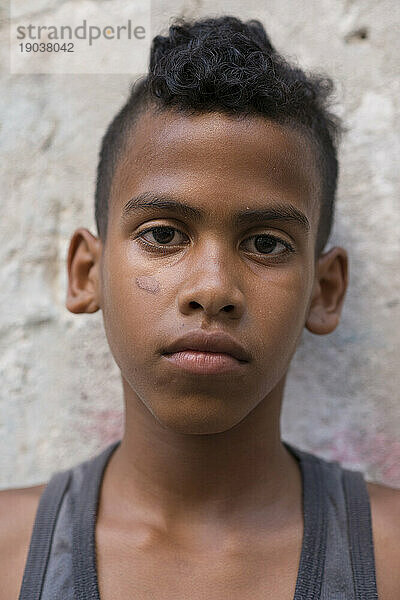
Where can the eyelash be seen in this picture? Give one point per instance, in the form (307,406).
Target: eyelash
(164,249)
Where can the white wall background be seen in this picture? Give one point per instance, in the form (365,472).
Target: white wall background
(60,391)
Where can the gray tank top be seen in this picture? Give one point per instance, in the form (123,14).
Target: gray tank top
(337,556)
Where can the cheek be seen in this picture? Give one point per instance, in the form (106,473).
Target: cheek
(150,284)
(131,299)
(130,289)
(282,300)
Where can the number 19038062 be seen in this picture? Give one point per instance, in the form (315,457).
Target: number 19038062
(46,47)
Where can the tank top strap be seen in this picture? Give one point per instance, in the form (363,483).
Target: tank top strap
(360,535)
(42,534)
(337,558)
(84,545)
(313,551)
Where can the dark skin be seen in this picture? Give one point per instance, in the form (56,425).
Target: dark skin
(201,485)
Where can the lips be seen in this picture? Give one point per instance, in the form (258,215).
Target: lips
(216,341)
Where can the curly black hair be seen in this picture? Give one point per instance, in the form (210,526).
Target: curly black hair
(226,65)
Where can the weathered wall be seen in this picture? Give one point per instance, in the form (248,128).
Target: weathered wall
(60,394)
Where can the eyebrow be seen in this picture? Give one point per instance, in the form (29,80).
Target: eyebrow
(277,212)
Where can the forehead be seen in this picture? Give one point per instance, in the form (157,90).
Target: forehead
(217,162)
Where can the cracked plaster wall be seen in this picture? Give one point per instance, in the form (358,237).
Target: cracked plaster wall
(60,395)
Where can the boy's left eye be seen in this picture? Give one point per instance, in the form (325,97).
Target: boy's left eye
(267,244)
(264,243)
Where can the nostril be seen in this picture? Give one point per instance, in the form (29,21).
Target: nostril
(228,308)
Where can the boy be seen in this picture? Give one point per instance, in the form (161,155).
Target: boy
(214,203)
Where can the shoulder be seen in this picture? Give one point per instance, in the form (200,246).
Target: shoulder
(385,515)
(17,516)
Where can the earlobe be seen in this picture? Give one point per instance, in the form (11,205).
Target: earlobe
(330,286)
(83,263)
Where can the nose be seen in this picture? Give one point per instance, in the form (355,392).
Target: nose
(211,285)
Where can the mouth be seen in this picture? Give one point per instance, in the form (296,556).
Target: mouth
(207,353)
(204,362)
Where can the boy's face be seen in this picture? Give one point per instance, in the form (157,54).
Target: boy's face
(255,280)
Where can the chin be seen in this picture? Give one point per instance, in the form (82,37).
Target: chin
(200,417)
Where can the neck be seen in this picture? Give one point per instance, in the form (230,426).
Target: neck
(182,476)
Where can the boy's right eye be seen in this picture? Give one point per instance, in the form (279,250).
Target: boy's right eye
(162,235)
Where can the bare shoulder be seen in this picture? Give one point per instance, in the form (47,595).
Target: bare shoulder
(385,513)
(18,508)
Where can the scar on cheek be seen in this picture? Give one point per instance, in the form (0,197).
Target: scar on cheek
(149,284)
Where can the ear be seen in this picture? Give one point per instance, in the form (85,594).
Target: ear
(331,279)
(83,263)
